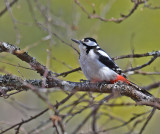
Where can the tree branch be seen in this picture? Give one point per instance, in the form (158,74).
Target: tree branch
(52,82)
(21,54)
(147,121)
(125,90)
(142,66)
(116,20)
(5,9)
(25,121)
(154,53)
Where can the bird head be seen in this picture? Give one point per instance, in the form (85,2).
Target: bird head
(86,44)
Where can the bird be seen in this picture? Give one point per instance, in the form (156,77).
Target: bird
(98,66)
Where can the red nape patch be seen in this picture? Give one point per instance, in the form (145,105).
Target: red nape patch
(120,78)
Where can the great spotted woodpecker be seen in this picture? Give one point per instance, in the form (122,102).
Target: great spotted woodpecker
(98,66)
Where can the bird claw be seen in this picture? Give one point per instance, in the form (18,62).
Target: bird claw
(120,83)
(86,81)
(102,84)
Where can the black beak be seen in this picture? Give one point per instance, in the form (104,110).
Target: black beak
(76,41)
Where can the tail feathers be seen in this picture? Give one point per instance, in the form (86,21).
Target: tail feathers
(123,79)
(140,89)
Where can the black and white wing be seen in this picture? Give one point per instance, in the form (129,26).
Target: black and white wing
(106,60)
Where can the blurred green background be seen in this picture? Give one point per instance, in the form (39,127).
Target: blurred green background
(140,32)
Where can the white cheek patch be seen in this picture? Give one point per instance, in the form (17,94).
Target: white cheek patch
(91,43)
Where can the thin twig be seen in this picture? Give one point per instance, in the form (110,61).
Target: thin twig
(116,20)
(64,74)
(141,66)
(147,121)
(25,121)
(107,98)
(10,5)
(154,53)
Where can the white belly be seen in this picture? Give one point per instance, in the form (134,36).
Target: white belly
(95,70)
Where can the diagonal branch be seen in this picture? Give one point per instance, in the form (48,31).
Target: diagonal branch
(147,121)
(141,66)
(5,9)
(64,74)
(25,121)
(24,56)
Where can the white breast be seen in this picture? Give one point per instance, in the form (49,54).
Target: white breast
(93,69)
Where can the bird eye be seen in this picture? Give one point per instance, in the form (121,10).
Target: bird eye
(86,40)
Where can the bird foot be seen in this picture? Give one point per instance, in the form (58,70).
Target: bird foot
(102,84)
(86,81)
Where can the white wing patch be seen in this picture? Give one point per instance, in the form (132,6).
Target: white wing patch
(104,54)
(107,60)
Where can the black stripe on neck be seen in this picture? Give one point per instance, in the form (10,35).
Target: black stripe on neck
(89,48)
